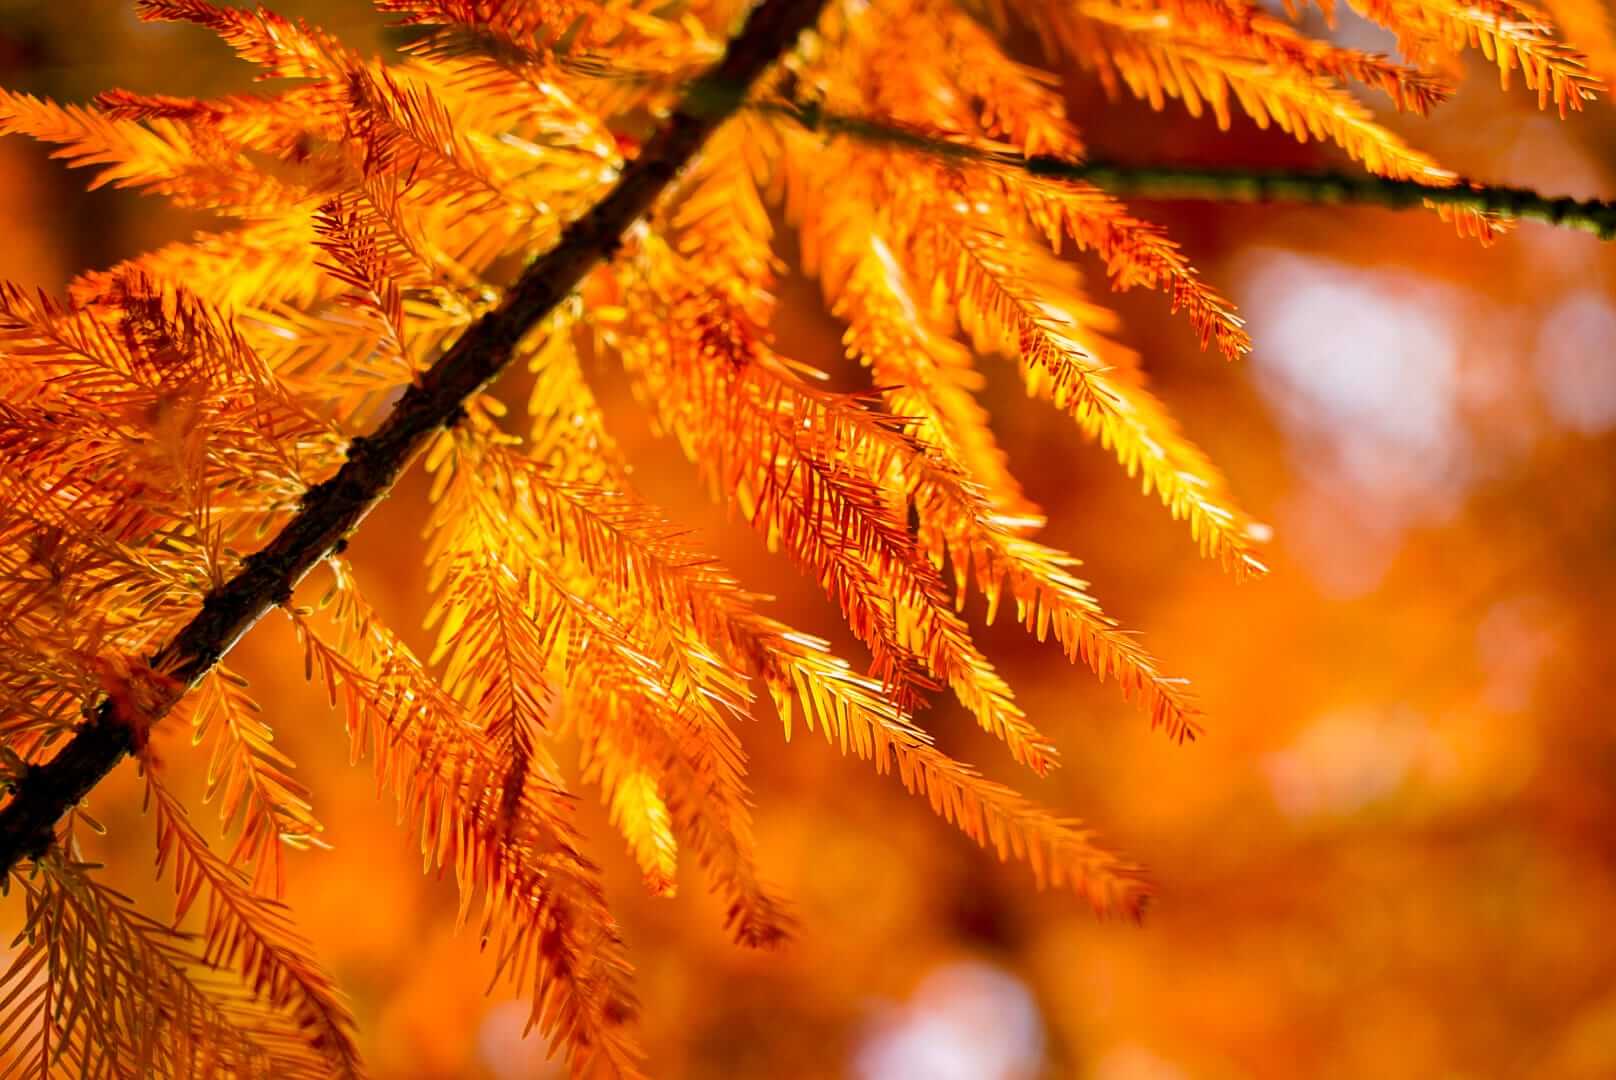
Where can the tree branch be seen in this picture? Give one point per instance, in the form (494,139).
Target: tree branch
(1594,216)
(333,509)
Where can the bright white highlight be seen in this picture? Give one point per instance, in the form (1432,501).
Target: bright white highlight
(1363,370)
(965,1022)
(1575,360)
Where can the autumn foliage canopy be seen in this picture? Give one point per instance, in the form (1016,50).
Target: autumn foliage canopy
(592,190)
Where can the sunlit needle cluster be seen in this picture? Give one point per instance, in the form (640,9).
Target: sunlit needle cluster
(172,411)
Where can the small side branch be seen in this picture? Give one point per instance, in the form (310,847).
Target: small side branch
(1596,216)
(333,509)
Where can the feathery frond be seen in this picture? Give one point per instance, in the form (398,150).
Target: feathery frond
(569,183)
(542,908)
(253,935)
(252,780)
(101,990)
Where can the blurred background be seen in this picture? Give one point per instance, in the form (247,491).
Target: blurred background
(1394,853)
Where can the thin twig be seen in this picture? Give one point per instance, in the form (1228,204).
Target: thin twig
(333,509)
(1596,216)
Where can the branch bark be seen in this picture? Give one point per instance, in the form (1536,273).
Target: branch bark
(332,509)
(1596,216)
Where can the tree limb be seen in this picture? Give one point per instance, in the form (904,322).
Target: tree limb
(334,508)
(1594,216)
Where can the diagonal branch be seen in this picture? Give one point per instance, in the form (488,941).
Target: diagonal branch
(333,509)
(1596,216)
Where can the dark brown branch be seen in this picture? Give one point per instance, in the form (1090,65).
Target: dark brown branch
(333,509)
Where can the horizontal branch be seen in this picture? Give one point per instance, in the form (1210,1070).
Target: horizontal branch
(333,509)
(1594,216)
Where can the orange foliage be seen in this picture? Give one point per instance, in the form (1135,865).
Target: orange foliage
(175,410)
